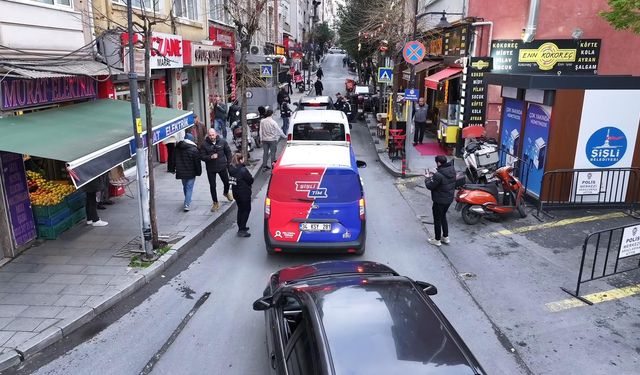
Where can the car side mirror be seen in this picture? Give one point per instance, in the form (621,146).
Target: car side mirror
(361,164)
(429,289)
(263,303)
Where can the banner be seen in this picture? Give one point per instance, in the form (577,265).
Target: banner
(18,93)
(536,138)
(511,130)
(475,91)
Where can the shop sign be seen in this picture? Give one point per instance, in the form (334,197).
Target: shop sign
(630,244)
(17,197)
(475,91)
(435,47)
(23,93)
(606,146)
(560,56)
(163,132)
(204,55)
(455,41)
(280,50)
(222,38)
(588,183)
(166,51)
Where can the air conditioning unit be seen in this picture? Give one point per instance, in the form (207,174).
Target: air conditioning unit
(254,50)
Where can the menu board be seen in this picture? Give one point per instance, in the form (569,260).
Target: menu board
(17,197)
(475,91)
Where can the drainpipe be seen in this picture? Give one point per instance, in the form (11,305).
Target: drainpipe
(532,21)
(92,29)
(483,23)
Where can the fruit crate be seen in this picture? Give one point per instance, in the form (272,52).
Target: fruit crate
(48,211)
(78,216)
(53,219)
(52,232)
(75,200)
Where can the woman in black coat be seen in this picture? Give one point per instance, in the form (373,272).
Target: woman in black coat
(241,181)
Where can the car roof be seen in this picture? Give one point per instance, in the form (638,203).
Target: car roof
(383,324)
(334,267)
(315,99)
(329,155)
(320,115)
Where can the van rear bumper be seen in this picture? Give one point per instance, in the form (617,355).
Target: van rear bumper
(357,244)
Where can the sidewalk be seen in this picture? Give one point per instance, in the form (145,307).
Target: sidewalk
(57,286)
(417,163)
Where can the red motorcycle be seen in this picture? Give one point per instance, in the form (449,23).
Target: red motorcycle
(500,197)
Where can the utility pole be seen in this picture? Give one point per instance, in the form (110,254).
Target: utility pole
(141,165)
(412,83)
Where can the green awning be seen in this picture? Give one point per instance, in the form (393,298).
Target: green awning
(90,137)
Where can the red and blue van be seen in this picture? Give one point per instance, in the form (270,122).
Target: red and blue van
(315,201)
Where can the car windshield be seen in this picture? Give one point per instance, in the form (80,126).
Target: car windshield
(382,326)
(325,131)
(337,185)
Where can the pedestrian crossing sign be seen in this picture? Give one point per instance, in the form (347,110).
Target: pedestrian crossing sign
(385,75)
(266,71)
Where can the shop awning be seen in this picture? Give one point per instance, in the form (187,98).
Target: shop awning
(91,137)
(425,65)
(445,74)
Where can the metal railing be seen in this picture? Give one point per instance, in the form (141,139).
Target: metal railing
(608,252)
(591,188)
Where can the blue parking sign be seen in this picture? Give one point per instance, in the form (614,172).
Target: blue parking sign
(385,75)
(411,94)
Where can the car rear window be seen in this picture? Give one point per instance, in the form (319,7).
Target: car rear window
(337,185)
(316,105)
(326,131)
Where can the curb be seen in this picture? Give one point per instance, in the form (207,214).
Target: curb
(388,166)
(111,296)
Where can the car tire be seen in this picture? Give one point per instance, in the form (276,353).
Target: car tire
(470,217)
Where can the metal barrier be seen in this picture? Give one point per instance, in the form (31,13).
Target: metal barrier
(591,188)
(616,250)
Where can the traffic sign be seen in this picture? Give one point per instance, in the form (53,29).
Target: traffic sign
(266,71)
(385,75)
(411,94)
(413,52)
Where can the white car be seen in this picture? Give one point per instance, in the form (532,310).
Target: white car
(319,127)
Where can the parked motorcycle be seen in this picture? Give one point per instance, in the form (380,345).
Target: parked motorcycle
(299,82)
(499,197)
(236,130)
(481,158)
(253,121)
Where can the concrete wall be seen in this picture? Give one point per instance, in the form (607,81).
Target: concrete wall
(42,28)
(557,20)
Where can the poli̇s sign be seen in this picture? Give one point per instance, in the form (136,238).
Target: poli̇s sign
(606,146)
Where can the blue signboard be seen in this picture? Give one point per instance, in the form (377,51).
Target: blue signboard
(411,94)
(266,71)
(606,146)
(536,138)
(511,129)
(385,75)
(164,131)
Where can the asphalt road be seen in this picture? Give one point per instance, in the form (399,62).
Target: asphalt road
(197,318)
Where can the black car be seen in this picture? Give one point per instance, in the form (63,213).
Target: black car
(351,317)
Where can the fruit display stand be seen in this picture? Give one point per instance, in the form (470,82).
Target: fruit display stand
(56,205)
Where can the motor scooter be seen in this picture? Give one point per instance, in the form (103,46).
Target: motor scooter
(481,158)
(299,83)
(499,197)
(236,130)
(253,121)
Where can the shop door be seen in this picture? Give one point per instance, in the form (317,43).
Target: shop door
(536,139)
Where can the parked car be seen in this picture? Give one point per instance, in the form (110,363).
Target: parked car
(315,201)
(356,317)
(314,103)
(319,127)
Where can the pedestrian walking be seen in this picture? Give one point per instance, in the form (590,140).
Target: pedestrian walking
(270,134)
(216,155)
(319,73)
(241,182)
(280,97)
(188,166)
(442,185)
(319,87)
(289,78)
(198,131)
(285,113)
(420,115)
(234,113)
(170,142)
(219,116)
(91,204)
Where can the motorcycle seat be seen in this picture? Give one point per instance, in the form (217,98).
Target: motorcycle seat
(489,188)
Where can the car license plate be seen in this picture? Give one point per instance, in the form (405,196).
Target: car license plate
(315,227)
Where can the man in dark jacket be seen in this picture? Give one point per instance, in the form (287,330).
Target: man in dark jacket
(234,112)
(220,116)
(241,182)
(188,166)
(442,185)
(285,113)
(318,86)
(319,73)
(216,154)
(280,97)
(91,189)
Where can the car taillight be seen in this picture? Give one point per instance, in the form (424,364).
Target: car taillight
(267,208)
(289,137)
(349,138)
(361,204)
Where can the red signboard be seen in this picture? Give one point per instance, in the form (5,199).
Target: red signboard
(222,38)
